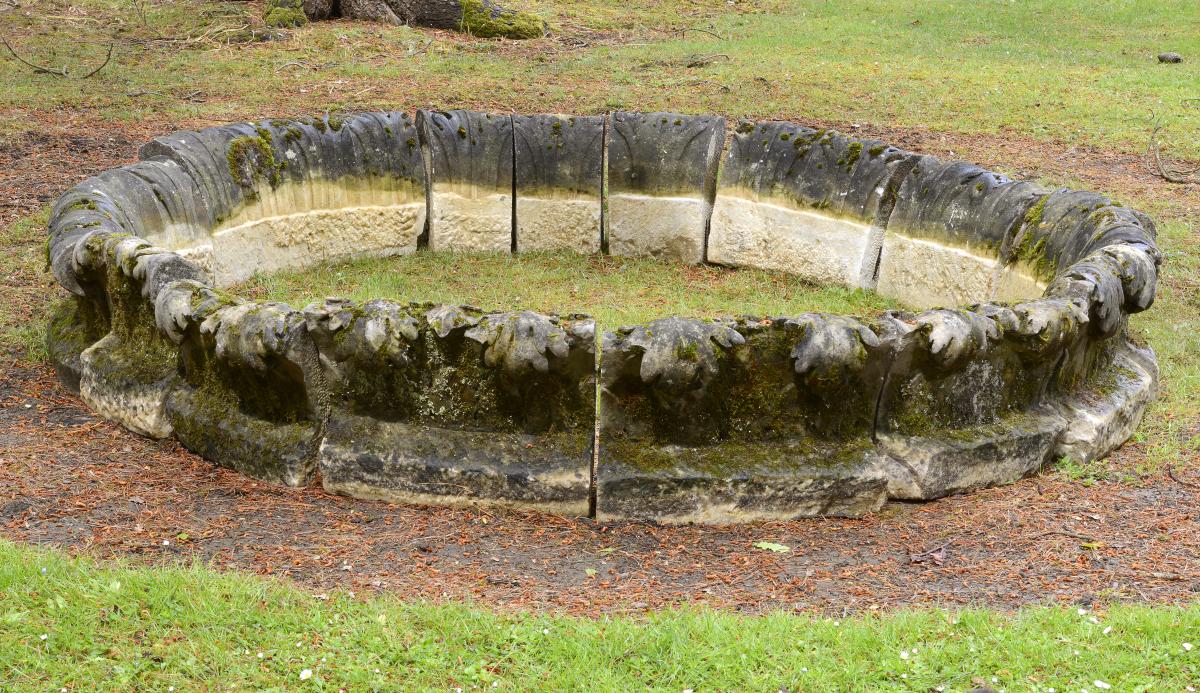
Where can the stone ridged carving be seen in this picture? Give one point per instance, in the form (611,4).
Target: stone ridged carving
(1015,351)
(559,166)
(661,168)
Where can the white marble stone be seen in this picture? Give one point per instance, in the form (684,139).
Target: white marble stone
(469,220)
(760,234)
(551,223)
(298,240)
(666,228)
(928,274)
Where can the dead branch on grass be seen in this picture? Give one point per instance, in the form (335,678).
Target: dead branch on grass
(703,31)
(1181,482)
(61,72)
(1154,155)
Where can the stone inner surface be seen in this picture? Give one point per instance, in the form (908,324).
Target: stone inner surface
(1013,348)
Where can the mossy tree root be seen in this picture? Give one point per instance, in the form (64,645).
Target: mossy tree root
(477,17)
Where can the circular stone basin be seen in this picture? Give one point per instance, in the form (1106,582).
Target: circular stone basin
(1012,349)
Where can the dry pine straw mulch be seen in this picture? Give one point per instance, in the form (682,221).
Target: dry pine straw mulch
(72,480)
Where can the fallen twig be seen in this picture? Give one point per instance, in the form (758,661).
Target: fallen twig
(36,68)
(703,31)
(703,60)
(937,554)
(1181,482)
(1065,533)
(107,60)
(61,72)
(1154,153)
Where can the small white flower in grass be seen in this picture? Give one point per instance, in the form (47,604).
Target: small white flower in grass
(166,542)
(995,680)
(1191,689)
(1076,653)
(377,671)
(1083,612)
(804,669)
(903,676)
(306,674)
(1101,685)
(43,636)
(1094,620)
(1187,647)
(1107,630)
(903,654)
(260,655)
(545,631)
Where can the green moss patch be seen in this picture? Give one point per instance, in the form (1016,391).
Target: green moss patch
(282,14)
(480,19)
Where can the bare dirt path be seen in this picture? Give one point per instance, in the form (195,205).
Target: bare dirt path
(69,479)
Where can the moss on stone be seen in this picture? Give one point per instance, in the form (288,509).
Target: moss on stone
(281,14)
(1033,217)
(734,459)
(251,158)
(487,22)
(853,152)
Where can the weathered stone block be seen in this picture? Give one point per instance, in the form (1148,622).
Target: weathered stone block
(298,240)
(770,481)
(470,169)
(210,424)
(949,237)
(768,235)
(251,397)
(805,201)
(928,274)
(956,369)
(735,420)
(661,172)
(955,460)
(559,166)
(345,188)
(1103,414)
(400,461)
(449,404)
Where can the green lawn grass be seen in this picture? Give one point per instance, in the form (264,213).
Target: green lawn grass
(68,623)
(614,290)
(1080,70)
